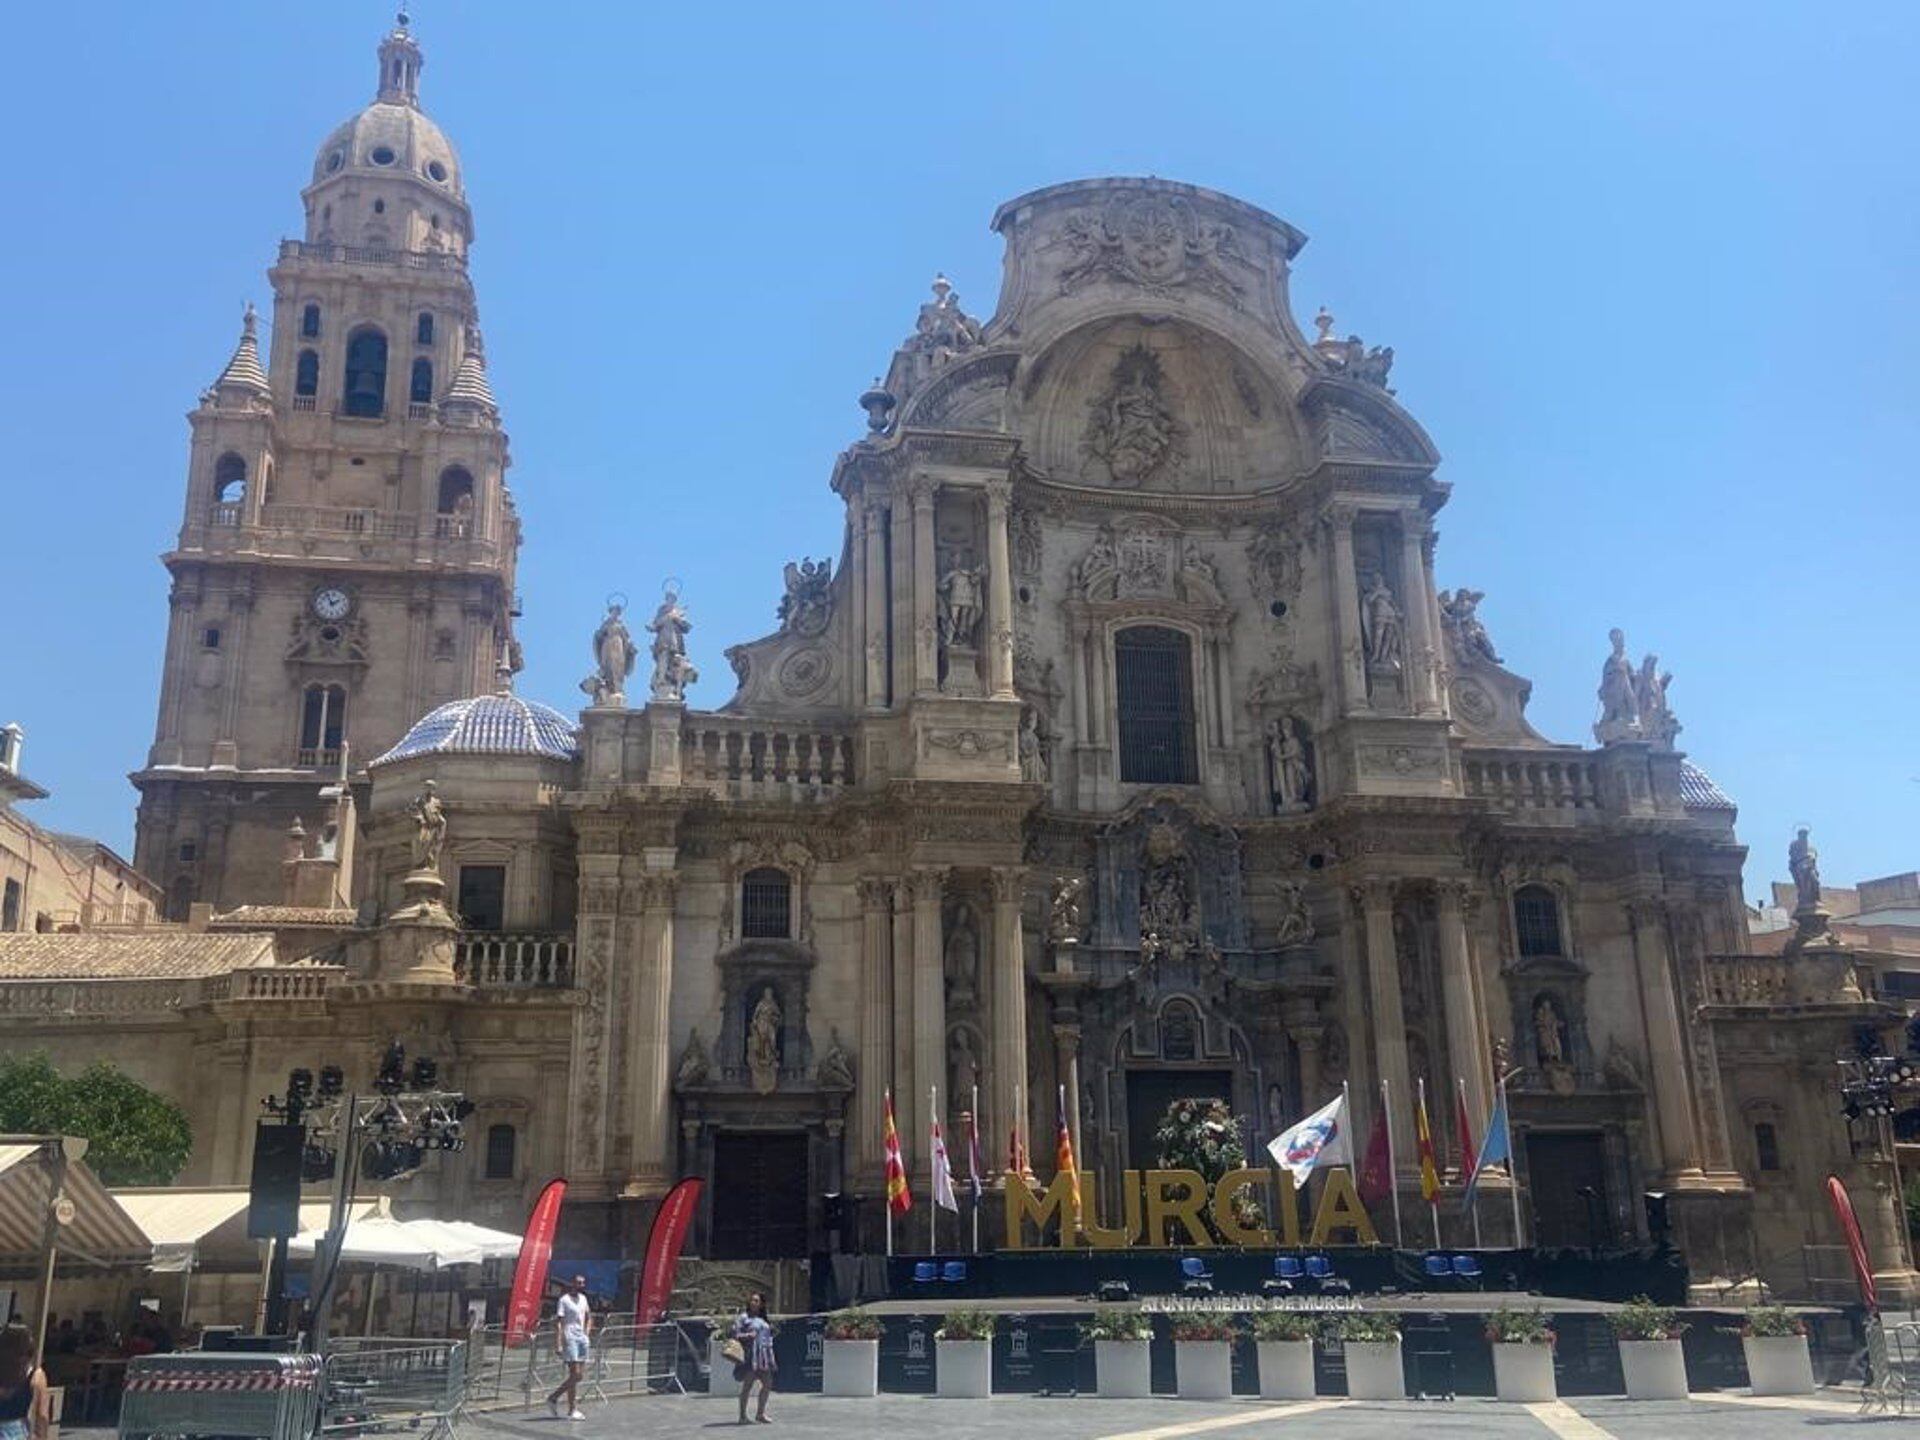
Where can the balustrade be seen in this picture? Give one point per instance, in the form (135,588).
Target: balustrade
(492,961)
(748,759)
(1532,780)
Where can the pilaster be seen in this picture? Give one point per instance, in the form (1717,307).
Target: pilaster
(649,1038)
(927,887)
(1375,896)
(1672,1088)
(999,590)
(1009,1057)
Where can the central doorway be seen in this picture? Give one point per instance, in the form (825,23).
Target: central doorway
(760,1189)
(1567,1173)
(1150,1092)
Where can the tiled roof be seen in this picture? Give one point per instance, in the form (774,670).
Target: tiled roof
(129,955)
(469,384)
(1698,791)
(489,725)
(244,369)
(254,917)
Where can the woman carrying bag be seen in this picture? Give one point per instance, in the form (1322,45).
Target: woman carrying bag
(751,1350)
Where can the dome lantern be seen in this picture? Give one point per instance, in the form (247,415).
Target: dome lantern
(400,62)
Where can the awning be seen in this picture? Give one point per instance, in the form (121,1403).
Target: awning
(176,1221)
(492,1244)
(100,1233)
(404,1244)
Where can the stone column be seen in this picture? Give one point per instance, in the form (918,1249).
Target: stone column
(926,582)
(905,1072)
(1666,1051)
(588,1087)
(902,605)
(874,587)
(929,1005)
(1346,607)
(999,592)
(649,1039)
(1066,1072)
(1466,1026)
(1389,1018)
(1361,1075)
(1009,1058)
(876,1023)
(1423,654)
(1301,1017)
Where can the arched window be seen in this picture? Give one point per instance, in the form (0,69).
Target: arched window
(310,322)
(423,328)
(456,491)
(229,479)
(1766,1145)
(1536,922)
(323,724)
(420,392)
(365,391)
(502,1141)
(306,373)
(766,904)
(1153,682)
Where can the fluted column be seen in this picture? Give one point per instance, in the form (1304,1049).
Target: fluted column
(1346,607)
(589,1086)
(1361,1076)
(1389,1017)
(926,581)
(874,587)
(1666,1050)
(999,590)
(905,1071)
(649,1040)
(1466,1026)
(876,1022)
(1010,1076)
(901,604)
(929,1002)
(1422,645)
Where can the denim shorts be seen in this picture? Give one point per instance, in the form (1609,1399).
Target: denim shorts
(13,1430)
(573,1350)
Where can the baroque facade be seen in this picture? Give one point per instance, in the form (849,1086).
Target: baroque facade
(1128,750)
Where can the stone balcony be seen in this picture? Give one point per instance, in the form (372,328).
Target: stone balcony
(501,961)
(1748,985)
(1532,780)
(342,533)
(747,759)
(324,253)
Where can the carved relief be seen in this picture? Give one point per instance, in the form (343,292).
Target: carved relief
(1157,242)
(1142,557)
(1273,561)
(1131,431)
(1026,538)
(328,642)
(806,671)
(808,604)
(967,744)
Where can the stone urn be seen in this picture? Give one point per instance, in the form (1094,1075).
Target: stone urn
(1122,1369)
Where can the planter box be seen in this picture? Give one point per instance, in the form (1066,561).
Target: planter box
(1374,1371)
(1778,1364)
(963,1369)
(1655,1369)
(1286,1369)
(1524,1373)
(1203,1369)
(850,1367)
(1121,1369)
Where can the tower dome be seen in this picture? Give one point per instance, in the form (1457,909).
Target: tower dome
(497,724)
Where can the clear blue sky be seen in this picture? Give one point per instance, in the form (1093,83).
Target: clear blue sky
(1648,270)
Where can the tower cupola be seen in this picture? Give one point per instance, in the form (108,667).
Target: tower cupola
(400,61)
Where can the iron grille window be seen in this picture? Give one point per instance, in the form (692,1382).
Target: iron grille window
(1153,674)
(483,896)
(1766,1143)
(501,1142)
(766,905)
(1536,921)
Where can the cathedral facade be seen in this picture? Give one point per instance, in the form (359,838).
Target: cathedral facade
(1129,750)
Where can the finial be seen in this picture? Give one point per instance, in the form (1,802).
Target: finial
(403,19)
(1323,322)
(878,402)
(249,321)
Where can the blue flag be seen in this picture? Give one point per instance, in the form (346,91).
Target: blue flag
(1493,1145)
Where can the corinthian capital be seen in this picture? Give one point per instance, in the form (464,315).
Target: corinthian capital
(1009,884)
(999,494)
(657,891)
(928,884)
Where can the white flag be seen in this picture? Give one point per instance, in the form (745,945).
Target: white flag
(943,1195)
(1320,1139)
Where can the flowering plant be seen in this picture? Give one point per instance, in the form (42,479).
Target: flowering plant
(853,1325)
(1204,1327)
(1519,1327)
(966,1325)
(1377,1327)
(1285,1325)
(1772,1322)
(1117,1325)
(1641,1319)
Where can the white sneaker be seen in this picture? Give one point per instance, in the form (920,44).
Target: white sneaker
(576,1415)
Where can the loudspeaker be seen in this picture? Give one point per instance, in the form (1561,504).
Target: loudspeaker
(273,1207)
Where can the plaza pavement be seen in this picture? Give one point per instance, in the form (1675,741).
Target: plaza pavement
(1716,1416)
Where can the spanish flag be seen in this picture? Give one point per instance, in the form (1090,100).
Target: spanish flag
(1063,1160)
(1429,1174)
(899,1198)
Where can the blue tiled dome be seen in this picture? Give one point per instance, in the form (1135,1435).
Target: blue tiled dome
(489,725)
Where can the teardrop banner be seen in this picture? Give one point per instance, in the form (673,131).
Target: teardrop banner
(530,1271)
(1842,1204)
(669,1233)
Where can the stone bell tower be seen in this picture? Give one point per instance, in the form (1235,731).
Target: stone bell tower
(346,557)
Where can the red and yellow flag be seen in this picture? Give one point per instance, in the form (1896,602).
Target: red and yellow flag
(1429,1173)
(899,1198)
(1063,1161)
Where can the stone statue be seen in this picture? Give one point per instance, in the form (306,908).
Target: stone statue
(1619,696)
(1371,366)
(1381,623)
(1291,775)
(1130,429)
(694,1064)
(943,330)
(808,604)
(1460,613)
(963,1069)
(1296,921)
(1657,721)
(1803,863)
(1549,1032)
(835,1071)
(614,655)
(763,1043)
(430,833)
(1063,911)
(672,671)
(1033,752)
(962,956)
(962,590)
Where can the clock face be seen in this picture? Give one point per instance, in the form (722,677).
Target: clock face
(332,603)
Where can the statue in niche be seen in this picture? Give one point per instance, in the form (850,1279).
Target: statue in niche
(763,1043)
(1549,1032)
(694,1065)
(1289,768)
(1131,430)
(1381,623)
(1276,1110)
(962,957)
(672,670)
(1460,614)
(962,590)
(1657,720)
(1803,864)
(1619,696)
(1296,921)
(1064,922)
(1033,750)
(430,828)
(614,655)
(835,1071)
(963,1069)
(808,604)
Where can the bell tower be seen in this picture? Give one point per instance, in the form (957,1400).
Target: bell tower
(346,556)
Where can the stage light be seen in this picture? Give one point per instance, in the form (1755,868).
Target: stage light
(426,1073)
(333,1083)
(392,1078)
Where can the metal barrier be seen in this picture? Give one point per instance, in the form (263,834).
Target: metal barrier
(624,1359)
(258,1397)
(372,1385)
(1893,1368)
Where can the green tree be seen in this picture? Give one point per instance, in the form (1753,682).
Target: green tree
(134,1136)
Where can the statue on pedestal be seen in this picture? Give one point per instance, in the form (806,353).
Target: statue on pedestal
(1063,914)
(613,659)
(962,590)
(1803,863)
(1619,696)
(672,670)
(430,828)
(763,1043)
(1460,614)
(1382,623)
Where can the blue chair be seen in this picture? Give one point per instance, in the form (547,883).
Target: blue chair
(1195,1277)
(954,1272)
(1439,1267)
(924,1272)
(1319,1267)
(1466,1267)
(1288,1267)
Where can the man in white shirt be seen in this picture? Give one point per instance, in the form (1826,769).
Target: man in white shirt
(571,1334)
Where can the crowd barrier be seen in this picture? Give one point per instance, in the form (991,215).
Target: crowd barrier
(625,1359)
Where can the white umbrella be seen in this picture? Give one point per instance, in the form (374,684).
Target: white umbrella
(492,1244)
(379,1240)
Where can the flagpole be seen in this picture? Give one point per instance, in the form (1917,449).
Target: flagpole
(1513,1168)
(886,1190)
(933,1183)
(973,1164)
(1473,1200)
(1433,1205)
(1353,1166)
(1393,1172)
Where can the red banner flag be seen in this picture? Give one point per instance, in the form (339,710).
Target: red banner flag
(530,1271)
(1856,1243)
(1463,1127)
(899,1197)
(669,1233)
(1376,1167)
